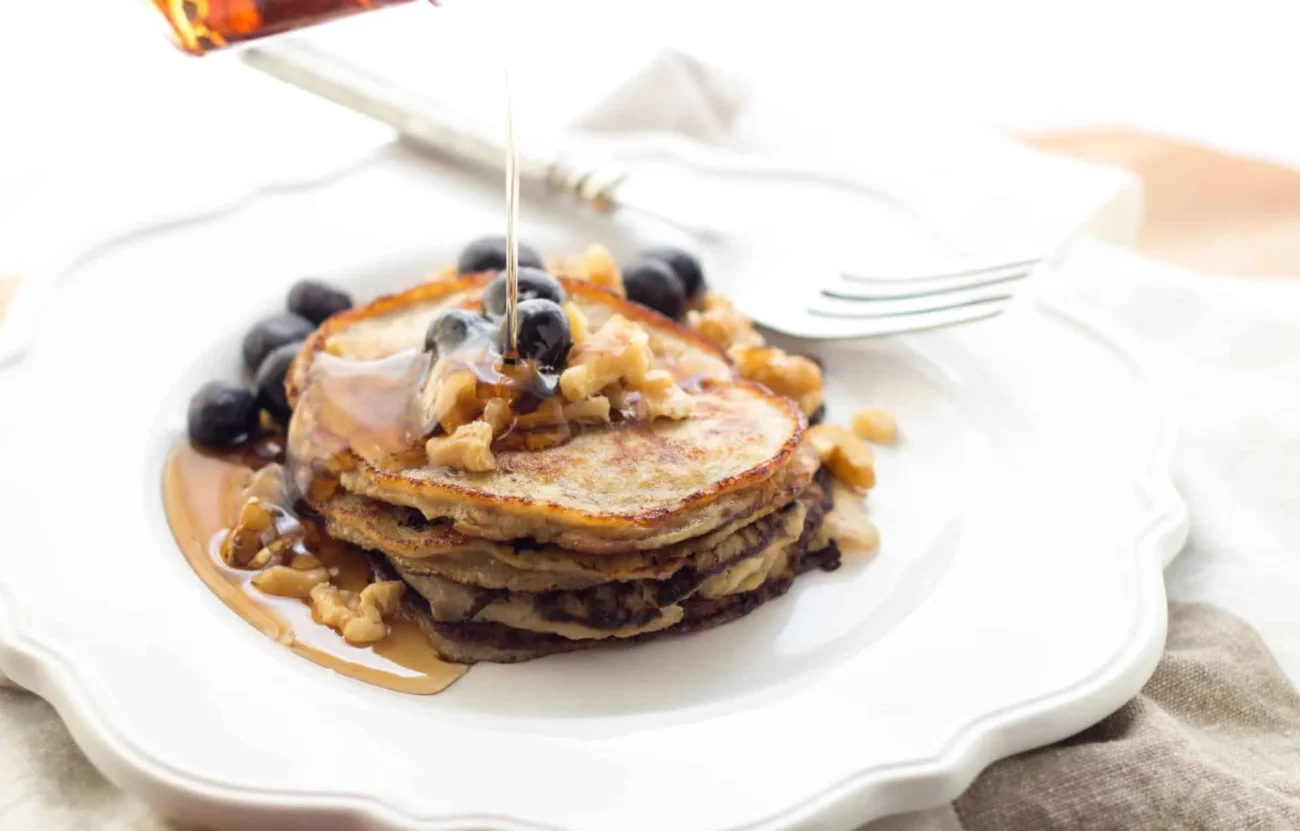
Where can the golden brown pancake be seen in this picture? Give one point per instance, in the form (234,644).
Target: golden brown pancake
(434,547)
(629,486)
(472,639)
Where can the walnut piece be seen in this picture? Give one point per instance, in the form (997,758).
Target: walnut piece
(243,545)
(849,457)
(617,359)
(847,524)
(358,617)
(450,399)
(594,410)
(663,398)
(793,376)
(617,352)
(262,529)
(579,326)
(497,414)
(595,265)
(875,424)
(287,581)
(469,448)
(719,321)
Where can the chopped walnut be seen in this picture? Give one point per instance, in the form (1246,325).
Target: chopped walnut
(243,544)
(261,530)
(286,581)
(719,321)
(663,398)
(616,395)
(332,606)
(874,424)
(595,265)
(469,448)
(847,524)
(594,410)
(617,352)
(849,457)
(384,596)
(579,326)
(616,359)
(454,399)
(497,414)
(793,376)
(358,617)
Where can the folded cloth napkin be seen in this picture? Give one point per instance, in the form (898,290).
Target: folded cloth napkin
(1212,742)
(673,93)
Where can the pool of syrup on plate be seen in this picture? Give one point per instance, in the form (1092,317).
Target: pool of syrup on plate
(200,494)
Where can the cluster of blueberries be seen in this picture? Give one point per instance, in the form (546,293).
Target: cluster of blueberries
(225,414)
(662,279)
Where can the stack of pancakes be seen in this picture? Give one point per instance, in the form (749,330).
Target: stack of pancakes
(624,532)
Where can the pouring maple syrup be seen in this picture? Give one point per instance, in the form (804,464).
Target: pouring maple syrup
(511,348)
(202,26)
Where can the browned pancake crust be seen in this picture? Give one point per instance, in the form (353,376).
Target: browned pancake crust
(615,605)
(436,548)
(635,448)
(473,642)
(732,493)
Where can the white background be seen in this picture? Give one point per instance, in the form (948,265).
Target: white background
(80,74)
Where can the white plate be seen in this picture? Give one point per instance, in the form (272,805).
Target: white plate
(1018,596)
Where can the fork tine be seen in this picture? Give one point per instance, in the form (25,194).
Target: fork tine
(850,288)
(814,326)
(832,305)
(1017,266)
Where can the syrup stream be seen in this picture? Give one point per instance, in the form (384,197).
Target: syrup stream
(512,237)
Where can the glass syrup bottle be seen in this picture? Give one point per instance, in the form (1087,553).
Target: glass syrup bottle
(201,26)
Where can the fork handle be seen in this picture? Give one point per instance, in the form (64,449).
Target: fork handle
(424,122)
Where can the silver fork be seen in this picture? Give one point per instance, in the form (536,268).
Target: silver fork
(848,306)
(862,306)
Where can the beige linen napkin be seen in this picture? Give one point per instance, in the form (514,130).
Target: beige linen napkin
(1213,742)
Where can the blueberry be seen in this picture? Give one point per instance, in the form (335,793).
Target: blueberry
(489,254)
(544,334)
(683,264)
(269,382)
(272,333)
(222,414)
(533,283)
(317,301)
(454,328)
(652,283)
